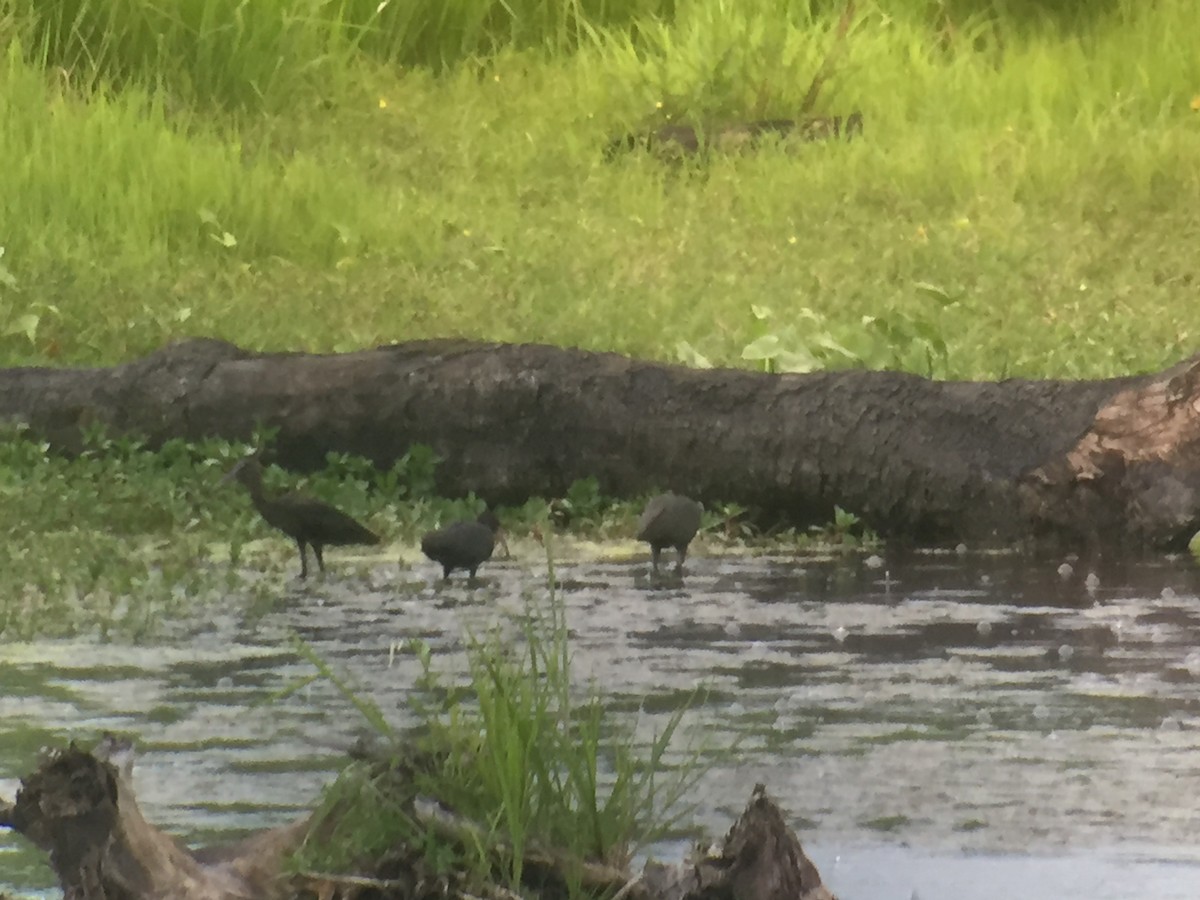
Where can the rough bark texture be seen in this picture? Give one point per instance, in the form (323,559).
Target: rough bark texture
(760,859)
(1111,460)
(81,810)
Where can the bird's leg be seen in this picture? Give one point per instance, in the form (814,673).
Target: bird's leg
(682,555)
(320,558)
(654,554)
(303,559)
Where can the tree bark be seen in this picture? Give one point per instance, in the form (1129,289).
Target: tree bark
(760,859)
(1113,460)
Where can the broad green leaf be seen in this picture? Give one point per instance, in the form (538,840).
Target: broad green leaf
(690,356)
(766,347)
(26,325)
(940,294)
(797,361)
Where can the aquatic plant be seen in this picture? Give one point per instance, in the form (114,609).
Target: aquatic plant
(535,761)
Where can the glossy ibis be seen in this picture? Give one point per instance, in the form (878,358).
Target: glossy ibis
(307,520)
(464,545)
(669,520)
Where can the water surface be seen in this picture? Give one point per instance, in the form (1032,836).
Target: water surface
(938,726)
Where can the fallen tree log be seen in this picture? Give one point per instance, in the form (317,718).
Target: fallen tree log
(80,808)
(1112,461)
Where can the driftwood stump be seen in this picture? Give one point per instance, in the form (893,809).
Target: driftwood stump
(80,808)
(1114,461)
(760,859)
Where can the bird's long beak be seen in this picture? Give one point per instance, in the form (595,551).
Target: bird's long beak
(232,474)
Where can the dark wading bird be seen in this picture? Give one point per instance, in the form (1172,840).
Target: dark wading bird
(669,520)
(464,545)
(306,520)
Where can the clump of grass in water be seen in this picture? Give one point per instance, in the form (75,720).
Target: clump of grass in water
(518,750)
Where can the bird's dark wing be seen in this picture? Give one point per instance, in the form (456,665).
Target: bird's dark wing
(652,513)
(462,542)
(690,520)
(436,543)
(317,522)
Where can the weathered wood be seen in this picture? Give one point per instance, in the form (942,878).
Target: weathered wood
(1134,472)
(760,859)
(80,808)
(1112,460)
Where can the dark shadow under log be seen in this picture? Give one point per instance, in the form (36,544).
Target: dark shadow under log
(1111,461)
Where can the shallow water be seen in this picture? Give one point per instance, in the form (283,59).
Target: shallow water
(939,726)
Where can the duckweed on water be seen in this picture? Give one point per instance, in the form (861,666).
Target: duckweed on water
(119,539)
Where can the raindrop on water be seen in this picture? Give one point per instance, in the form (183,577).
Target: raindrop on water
(1168,593)
(1091,582)
(1065,652)
(1065,571)
(961,549)
(1170,723)
(733,629)
(1041,713)
(984,628)
(873,562)
(839,634)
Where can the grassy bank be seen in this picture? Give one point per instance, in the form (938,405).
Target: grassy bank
(1039,174)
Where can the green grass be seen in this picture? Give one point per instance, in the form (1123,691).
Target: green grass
(1042,174)
(532,761)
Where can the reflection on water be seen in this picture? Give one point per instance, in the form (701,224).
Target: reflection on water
(940,724)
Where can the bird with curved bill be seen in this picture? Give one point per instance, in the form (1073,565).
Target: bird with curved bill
(306,520)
